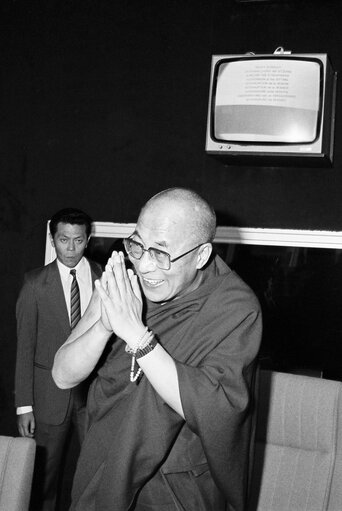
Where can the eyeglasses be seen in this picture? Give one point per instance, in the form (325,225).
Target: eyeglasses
(162,259)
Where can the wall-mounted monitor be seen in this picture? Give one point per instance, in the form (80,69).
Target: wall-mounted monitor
(272,110)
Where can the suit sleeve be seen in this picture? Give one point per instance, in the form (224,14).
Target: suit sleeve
(27,322)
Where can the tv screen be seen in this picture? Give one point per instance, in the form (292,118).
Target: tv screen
(278,106)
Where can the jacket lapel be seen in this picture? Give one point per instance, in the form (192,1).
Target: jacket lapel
(96,271)
(55,296)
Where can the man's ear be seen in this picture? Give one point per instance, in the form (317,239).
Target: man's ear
(51,240)
(203,255)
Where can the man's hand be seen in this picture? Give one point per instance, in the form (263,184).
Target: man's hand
(104,317)
(26,424)
(121,300)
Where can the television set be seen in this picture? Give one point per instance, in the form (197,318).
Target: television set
(272,109)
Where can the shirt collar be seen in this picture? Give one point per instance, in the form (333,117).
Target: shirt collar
(65,270)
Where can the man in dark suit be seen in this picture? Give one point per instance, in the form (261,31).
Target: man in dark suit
(50,303)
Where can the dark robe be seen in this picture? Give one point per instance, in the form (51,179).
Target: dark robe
(213,334)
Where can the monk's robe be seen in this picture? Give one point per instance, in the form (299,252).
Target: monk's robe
(213,334)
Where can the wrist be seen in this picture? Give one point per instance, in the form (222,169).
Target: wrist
(136,339)
(102,329)
(144,346)
(147,348)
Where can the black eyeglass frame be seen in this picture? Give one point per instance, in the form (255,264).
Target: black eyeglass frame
(125,241)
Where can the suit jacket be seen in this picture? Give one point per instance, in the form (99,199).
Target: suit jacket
(42,327)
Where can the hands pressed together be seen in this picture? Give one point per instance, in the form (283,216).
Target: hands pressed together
(121,301)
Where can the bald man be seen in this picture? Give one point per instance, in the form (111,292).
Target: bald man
(169,412)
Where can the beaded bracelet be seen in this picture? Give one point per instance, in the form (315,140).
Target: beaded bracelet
(133,377)
(144,341)
(146,344)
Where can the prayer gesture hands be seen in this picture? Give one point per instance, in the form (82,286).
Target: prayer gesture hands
(121,301)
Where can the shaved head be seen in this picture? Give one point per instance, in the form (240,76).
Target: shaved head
(190,210)
(179,225)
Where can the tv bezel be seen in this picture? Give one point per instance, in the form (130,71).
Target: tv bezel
(272,57)
(316,153)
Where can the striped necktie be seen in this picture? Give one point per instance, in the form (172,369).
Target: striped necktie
(75,301)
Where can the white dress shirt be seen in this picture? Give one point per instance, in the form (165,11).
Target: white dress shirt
(83,275)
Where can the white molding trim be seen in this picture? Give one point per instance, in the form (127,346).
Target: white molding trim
(279,237)
(236,235)
(112,230)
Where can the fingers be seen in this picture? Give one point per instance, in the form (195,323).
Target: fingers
(117,263)
(32,426)
(105,303)
(101,289)
(118,281)
(104,280)
(26,425)
(118,285)
(135,284)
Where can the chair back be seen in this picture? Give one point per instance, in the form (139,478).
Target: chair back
(16,470)
(298,444)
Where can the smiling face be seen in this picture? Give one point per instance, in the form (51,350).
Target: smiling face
(166,226)
(70,241)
